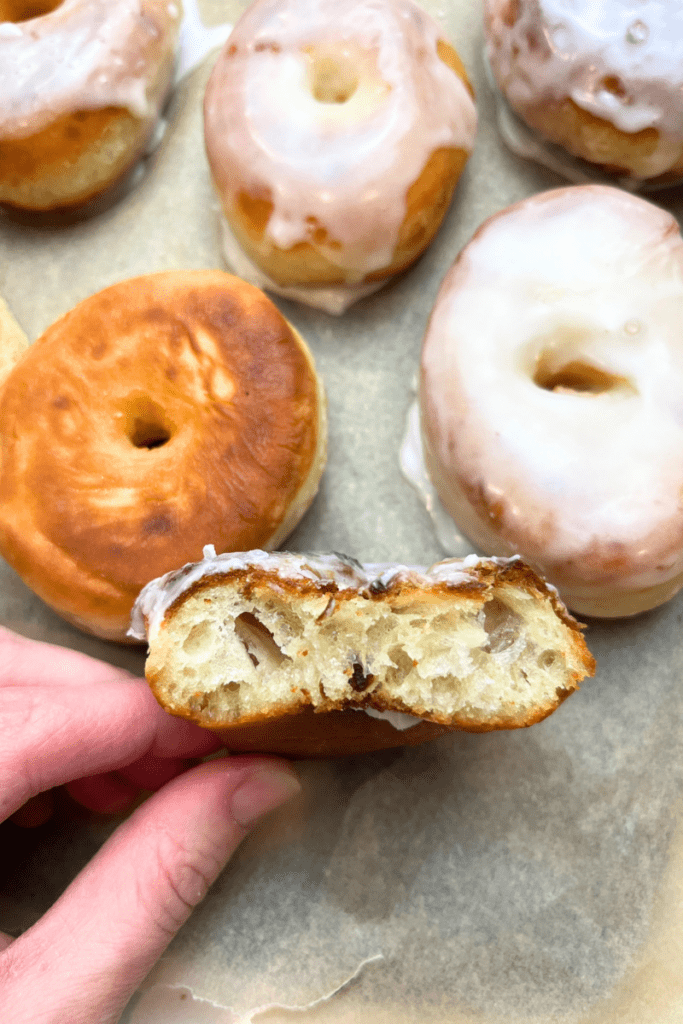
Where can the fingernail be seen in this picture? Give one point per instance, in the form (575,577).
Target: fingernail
(261,792)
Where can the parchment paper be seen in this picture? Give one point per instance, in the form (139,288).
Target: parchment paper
(533,876)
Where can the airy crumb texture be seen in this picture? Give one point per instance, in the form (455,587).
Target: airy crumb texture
(475,645)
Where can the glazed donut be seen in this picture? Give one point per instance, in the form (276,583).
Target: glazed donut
(335,133)
(82,83)
(159,413)
(551,384)
(604,80)
(279,652)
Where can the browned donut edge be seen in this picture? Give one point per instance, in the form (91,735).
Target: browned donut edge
(89,565)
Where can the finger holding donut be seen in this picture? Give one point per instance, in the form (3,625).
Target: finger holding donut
(64,716)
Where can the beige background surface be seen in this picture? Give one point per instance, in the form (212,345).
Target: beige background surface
(530,876)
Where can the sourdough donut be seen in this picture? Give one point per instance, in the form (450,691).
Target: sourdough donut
(82,83)
(551,383)
(604,80)
(279,652)
(335,132)
(159,413)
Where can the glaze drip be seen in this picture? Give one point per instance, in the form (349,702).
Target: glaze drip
(329,111)
(620,61)
(85,56)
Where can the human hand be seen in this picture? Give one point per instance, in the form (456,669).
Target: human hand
(66,717)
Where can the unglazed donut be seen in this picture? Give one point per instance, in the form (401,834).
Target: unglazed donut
(161,414)
(551,384)
(336,132)
(280,651)
(604,80)
(82,83)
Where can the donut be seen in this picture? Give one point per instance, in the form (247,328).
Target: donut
(279,652)
(335,133)
(82,83)
(161,414)
(550,395)
(603,80)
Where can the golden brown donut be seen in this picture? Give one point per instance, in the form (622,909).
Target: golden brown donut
(159,415)
(603,80)
(318,655)
(336,133)
(82,83)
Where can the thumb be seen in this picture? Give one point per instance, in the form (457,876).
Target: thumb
(83,960)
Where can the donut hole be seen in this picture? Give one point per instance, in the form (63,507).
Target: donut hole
(502,624)
(146,424)
(333,78)
(258,642)
(577,376)
(149,435)
(24,10)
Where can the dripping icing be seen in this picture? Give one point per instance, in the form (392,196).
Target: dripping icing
(343,167)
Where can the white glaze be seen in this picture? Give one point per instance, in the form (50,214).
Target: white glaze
(412,462)
(590,274)
(333,299)
(346,573)
(396,719)
(343,166)
(157,597)
(86,55)
(573,48)
(197,40)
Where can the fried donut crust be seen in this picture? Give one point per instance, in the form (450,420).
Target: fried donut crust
(163,413)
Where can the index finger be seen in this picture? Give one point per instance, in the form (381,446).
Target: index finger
(25,662)
(84,718)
